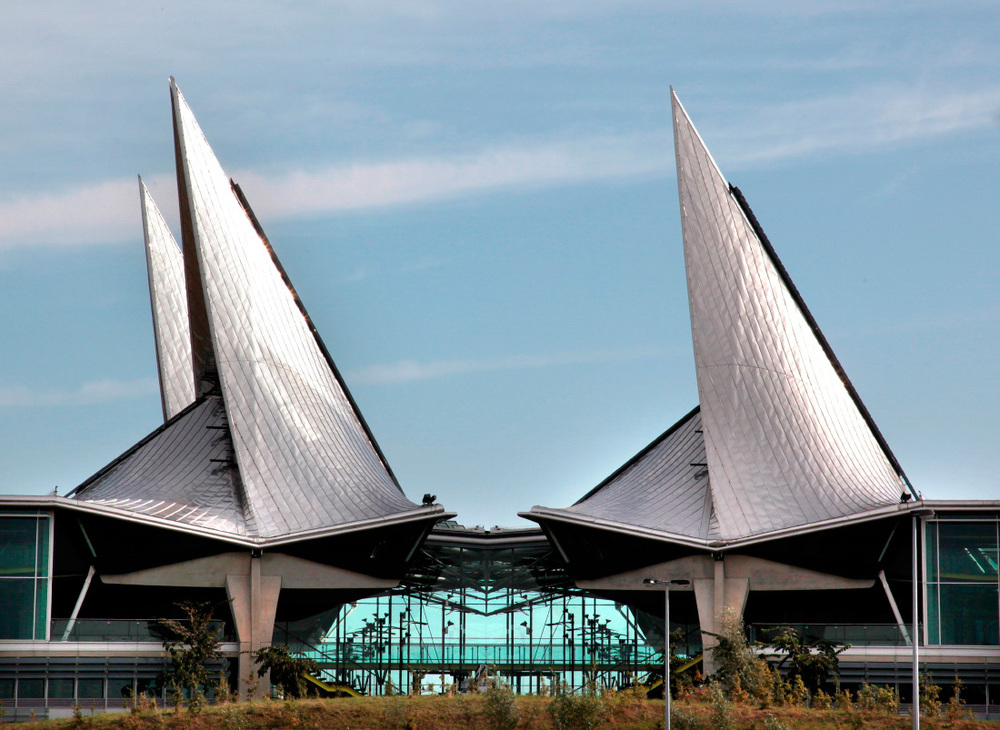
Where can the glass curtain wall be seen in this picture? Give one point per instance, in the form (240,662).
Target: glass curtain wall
(24,575)
(963,593)
(474,609)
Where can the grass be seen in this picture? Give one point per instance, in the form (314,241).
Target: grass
(624,711)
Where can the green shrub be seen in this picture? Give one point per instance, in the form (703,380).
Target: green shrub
(722,710)
(956,709)
(568,711)
(773,723)
(930,697)
(878,699)
(681,719)
(501,706)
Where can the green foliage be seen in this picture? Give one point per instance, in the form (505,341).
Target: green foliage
(396,713)
(286,669)
(192,644)
(773,723)
(739,667)
(223,693)
(234,717)
(681,719)
(568,711)
(878,699)
(956,709)
(930,697)
(821,700)
(501,711)
(722,710)
(812,660)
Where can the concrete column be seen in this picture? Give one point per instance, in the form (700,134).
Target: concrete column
(254,601)
(724,582)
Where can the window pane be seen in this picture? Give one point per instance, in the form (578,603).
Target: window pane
(91,689)
(17,599)
(119,689)
(30,689)
(17,546)
(61,688)
(932,556)
(6,689)
(933,615)
(41,602)
(969,614)
(42,565)
(968,551)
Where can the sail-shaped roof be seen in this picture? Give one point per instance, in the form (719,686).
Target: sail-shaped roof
(787,442)
(298,457)
(168,298)
(665,487)
(305,458)
(183,472)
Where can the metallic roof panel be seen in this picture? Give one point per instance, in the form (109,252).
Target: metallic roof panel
(666,488)
(165,265)
(304,456)
(183,472)
(785,442)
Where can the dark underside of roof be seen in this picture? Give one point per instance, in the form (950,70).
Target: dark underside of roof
(116,546)
(857,550)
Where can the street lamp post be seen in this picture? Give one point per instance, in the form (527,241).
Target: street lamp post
(666,640)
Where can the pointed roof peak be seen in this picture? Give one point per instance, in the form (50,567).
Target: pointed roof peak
(786,442)
(306,458)
(172,336)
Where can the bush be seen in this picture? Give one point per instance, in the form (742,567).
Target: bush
(192,644)
(878,699)
(576,712)
(956,709)
(930,697)
(722,710)
(286,670)
(681,719)
(739,667)
(501,706)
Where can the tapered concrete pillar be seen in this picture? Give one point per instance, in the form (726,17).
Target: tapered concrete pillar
(722,583)
(254,601)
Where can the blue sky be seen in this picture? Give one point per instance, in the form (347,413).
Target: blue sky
(476,202)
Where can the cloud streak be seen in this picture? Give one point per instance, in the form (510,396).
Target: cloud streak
(90,393)
(869,118)
(408,371)
(108,212)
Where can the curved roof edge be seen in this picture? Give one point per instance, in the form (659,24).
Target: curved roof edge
(431,513)
(543,515)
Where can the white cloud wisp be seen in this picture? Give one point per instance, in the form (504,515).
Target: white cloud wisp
(90,393)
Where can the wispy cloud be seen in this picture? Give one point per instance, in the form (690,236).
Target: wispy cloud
(864,119)
(406,371)
(98,391)
(108,212)
(868,118)
(105,212)
(428,179)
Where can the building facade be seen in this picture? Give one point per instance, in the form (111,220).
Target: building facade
(265,495)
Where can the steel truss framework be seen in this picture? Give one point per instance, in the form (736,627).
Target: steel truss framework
(479,603)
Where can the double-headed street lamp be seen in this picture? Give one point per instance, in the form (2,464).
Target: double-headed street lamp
(666,639)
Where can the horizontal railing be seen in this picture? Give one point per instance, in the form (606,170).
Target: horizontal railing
(853,634)
(113,629)
(484,652)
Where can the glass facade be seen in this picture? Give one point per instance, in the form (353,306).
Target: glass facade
(24,575)
(467,604)
(963,592)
